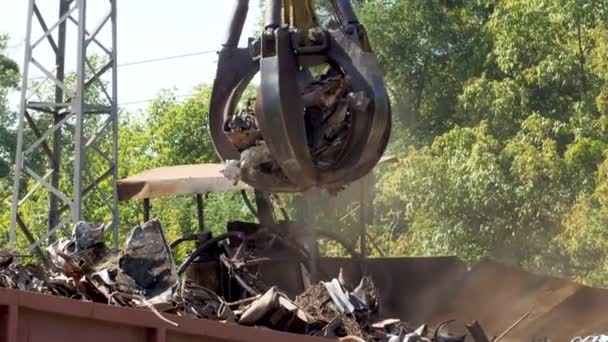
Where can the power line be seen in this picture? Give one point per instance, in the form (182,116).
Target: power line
(192,54)
(153,60)
(152,99)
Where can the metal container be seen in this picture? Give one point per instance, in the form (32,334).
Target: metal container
(31,317)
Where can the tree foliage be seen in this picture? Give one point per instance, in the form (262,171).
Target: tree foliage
(9,77)
(507,105)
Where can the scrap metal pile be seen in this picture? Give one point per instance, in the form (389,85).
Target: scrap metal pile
(145,275)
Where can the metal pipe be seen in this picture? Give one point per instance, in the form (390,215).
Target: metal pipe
(55,163)
(346,12)
(237,21)
(146,210)
(364,200)
(186,237)
(200,210)
(274,14)
(78,106)
(114,115)
(248,203)
(265,211)
(19,151)
(204,246)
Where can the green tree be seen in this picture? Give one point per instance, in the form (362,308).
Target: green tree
(9,78)
(428,49)
(513,170)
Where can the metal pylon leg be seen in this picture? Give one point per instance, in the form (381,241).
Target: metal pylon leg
(67,139)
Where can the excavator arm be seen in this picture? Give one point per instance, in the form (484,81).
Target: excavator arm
(321,117)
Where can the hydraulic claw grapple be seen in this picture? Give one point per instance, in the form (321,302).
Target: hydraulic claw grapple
(321,116)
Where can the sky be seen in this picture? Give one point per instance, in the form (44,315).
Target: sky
(147,29)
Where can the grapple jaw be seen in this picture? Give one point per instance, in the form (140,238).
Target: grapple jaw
(307,131)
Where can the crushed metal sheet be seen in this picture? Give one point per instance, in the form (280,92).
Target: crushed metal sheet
(366,293)
(594,338)
(147,264)
(87,235)
(232,170)
(277,311)
(332,329)
(242,129)
(339,297)
(413,337)
(389,326)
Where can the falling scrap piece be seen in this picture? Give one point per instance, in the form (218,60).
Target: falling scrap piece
(256,166)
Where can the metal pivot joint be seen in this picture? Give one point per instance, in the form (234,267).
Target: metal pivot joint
(290,49)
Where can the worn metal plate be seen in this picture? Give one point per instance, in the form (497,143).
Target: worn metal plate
(177,180)
(31,317)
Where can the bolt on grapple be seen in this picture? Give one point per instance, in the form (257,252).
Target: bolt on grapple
(321,117)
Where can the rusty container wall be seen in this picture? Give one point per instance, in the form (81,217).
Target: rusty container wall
(33,317)
(498,295)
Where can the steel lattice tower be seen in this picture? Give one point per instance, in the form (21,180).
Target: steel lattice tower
(76,132)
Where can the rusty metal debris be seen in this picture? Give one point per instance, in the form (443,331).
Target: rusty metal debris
(477,332)
(313,147)
(275,310)
(242,129)
(145,275)
(146,267)
(594,338)
(329,107)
